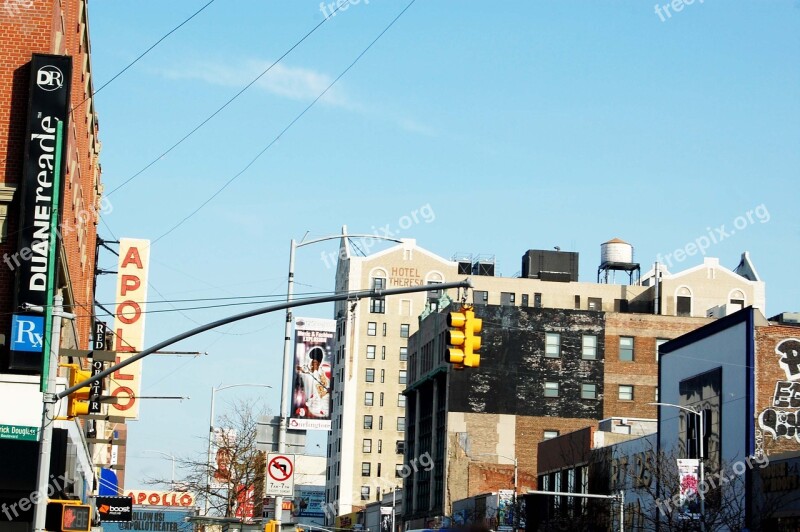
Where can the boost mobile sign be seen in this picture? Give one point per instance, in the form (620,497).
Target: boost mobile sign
(41,185)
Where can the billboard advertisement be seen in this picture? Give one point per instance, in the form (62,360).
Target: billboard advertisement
(183,499)
(311,394)
(222,443)
(131,295)
(309,501)
(154,519)
(40,189)
(688,471)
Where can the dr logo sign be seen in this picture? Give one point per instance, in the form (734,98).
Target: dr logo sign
(134,257)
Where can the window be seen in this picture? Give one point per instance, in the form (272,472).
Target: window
(659,343)
(370,351)
(589,350)
(400,447)
(370,376)
(377,305)
(552,345)
(372,329)
(366,469)
(480,297)
(508,299)
(656,394)
(403,376)
(595,303)
(364,493)
(737,300)
(625,392)
(588,391)
(366,446)
(383,376)
(381,398)
(550,434)
(626,348)
(380,422)
(403,354)
(384,329)
(405,328)
(368,422)
(577,302)
(537,300)
(401,400)
(551,389)
(683,302)
(524,300)
(369,397)
(401,424)
(398,470)
(380,446)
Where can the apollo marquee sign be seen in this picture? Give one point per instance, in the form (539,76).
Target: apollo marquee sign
(41,185)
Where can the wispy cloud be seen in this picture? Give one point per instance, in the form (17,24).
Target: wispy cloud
(294,83)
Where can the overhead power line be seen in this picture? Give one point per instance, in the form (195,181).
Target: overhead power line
(284,130)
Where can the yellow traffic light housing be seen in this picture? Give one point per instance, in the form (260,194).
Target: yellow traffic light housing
(78,402)
(463,339)
(271,526)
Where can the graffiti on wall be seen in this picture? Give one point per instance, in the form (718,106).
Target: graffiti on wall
(782,419)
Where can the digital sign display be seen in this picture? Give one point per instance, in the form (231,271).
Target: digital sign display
(76,518)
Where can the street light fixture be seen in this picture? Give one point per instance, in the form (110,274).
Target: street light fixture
(168,455)
(701,451)
(214,391)
(516,487)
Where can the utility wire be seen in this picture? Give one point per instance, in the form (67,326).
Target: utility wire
(226,104)
(274,140)
(118,74)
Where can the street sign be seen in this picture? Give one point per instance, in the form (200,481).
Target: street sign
(280,475)
(27,333)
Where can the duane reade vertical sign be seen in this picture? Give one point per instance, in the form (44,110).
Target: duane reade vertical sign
(41,183)
(134,258)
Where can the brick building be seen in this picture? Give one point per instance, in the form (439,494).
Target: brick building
(58,30)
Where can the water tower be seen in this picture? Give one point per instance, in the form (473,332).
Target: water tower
(617,255)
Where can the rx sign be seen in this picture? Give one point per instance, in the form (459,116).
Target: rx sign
(280,475)
(27,333)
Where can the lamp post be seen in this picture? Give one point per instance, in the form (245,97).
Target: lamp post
(287,345)
(516,479)
(214,391)
(168,455)
(701,451)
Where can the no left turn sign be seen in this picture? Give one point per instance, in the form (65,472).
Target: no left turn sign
(280,474)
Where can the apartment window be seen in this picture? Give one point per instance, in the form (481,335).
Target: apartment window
(366,469)
(403,354)
(380,446)
(550,389)
(383,376)
(659,343)
(372,328)
(405,328)
(684,302)
(589,347)
(508,299)
(364,493)
(577,302)
(400,447)
(380,422)
(401,424)
(403,376)
(737,300)
(552,345)
(625,392)
(537,300)
(401,400)
(368,422)
(383,352)
(369,398)
(370,351)
(550,434)
(381,398)
(377,305)
(370,376)
(398,471)
(366,446)
(524,300)
(384,329)
(595,303)
(480,297)
(626,348)
(588,391)
(656,394)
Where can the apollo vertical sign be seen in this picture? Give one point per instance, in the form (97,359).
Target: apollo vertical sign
(42,175)
(134,258)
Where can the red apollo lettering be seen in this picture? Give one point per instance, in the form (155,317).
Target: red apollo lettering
(121,346)
(129,282)
(132,257)
(137,312)
(128,394)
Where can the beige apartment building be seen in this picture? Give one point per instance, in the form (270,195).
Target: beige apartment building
(366,442)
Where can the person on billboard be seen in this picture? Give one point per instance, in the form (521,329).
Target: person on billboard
(315,384)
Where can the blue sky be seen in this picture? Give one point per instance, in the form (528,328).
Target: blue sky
(517,125)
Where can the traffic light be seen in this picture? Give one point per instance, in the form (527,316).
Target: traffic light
(78,402)
(68,516)
(463,338)
(271,526)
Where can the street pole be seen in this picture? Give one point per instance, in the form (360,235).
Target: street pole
(515,519)
(48,415)
(285,379)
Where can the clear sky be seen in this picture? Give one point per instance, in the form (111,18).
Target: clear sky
(513,125)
